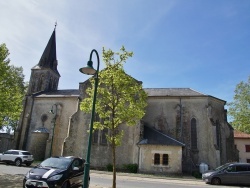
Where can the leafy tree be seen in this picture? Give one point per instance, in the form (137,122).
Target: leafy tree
(12,90)
(121,99)
(239,109)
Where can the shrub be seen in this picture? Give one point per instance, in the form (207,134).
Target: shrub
(197,174)
(109,167)
(132,168)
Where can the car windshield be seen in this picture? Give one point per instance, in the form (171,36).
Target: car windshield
(59,163)
(223,166)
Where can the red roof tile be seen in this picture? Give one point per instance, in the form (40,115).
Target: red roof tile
(239,134)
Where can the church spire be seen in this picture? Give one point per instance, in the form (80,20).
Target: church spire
(49,59)
(45,76)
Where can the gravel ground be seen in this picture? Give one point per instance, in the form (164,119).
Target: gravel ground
(11,181)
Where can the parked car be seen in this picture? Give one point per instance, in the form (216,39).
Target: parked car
(17,157)
(56,172)
(230,173)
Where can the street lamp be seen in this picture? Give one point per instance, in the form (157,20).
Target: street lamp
(52,111)
(89,70)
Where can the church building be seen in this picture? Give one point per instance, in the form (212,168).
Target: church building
(181,129)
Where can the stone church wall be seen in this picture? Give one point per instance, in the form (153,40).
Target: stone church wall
(173,117)
(58,121)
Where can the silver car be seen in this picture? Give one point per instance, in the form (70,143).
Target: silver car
(230,173)
(18,157)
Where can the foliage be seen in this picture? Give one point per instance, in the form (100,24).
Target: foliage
(12,90)
(109,167)
(132,168)
(197,174)
(121,99)
(239,109)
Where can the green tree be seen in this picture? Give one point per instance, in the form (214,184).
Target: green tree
(121,99)
(239,109)
(12,90)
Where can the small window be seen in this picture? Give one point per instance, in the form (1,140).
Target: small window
(157,159)
(247,148)
(165,159)
(248,160)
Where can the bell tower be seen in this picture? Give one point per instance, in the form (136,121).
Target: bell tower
(45,76)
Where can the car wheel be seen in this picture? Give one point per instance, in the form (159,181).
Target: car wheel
(215,181)
(18,162)
(66,185)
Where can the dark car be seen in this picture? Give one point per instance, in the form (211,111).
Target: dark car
(230,173)
(56,172)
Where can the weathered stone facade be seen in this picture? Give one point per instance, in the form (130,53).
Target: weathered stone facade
(192,126)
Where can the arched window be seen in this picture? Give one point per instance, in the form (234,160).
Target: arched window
(40,83)
(104,138)
(95,136)
(157,159)
(193,134)
(218,134)
(165,159)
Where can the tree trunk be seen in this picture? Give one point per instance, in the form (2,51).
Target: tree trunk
(114,163)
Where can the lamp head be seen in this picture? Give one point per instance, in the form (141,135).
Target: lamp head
(89,70)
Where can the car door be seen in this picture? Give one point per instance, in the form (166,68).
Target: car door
(243,176)
(6,156)
(227,175)
(76,172)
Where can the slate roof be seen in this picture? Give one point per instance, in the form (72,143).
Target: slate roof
(172,92)
(239,134)
(49,59)
(60,93)
(155,137)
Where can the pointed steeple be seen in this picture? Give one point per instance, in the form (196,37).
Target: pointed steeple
(48,59)
(45,76)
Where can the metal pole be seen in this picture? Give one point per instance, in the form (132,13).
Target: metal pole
(87,162)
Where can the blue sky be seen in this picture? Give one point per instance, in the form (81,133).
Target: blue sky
(198,44)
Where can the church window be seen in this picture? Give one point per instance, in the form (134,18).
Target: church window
(40,83)
(104,138)
(157,159)
(51,84)
(218,134)
(95,136)
(247,148)
(165,159)
(193,134)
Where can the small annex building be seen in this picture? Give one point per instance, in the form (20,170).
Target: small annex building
(242,143)
(181,128)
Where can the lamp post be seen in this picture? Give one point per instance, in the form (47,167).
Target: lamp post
(54,124)
(89,70)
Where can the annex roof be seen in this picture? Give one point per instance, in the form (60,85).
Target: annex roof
(155,137)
